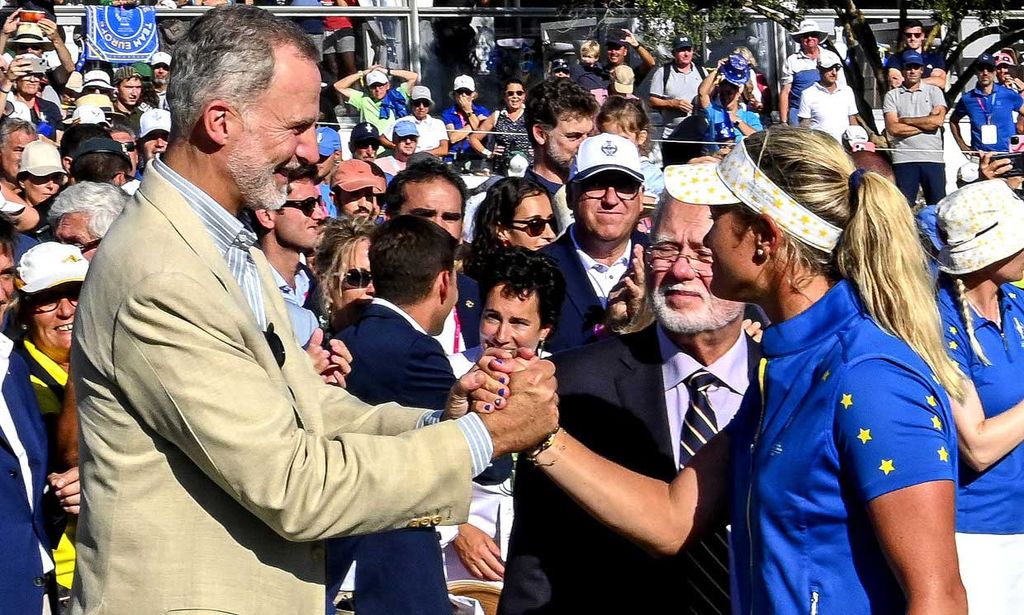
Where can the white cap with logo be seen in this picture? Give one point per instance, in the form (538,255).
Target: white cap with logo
(464,82)
(160,57)
(375,77)
(605,152)
(40,159)
(97,79)
(154,120)
(89,114)
(50,264)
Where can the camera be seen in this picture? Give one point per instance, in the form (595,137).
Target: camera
(1017,163)
(31,16)
(1017,143)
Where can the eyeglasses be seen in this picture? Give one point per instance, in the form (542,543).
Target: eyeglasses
(29,47)
(47,302)
(512,93)
(914,34)
(356,278)
(534,227)
(307,206)
(89,245)
(421,103)
(828,69)
(663,255)
(33,77)
(128,146)
(625,187)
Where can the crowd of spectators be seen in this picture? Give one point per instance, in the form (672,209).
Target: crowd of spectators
(656,250)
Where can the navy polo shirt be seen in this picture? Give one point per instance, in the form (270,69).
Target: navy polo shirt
(931,61)
(849,413)
(452,116)
(996,108)
(990,502)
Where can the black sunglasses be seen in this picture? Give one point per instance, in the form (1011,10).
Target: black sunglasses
(307,206)
(356,278)
(421,103)
(534,227)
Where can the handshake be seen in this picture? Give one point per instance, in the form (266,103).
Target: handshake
(515,396)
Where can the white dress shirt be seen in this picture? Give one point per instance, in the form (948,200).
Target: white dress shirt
(603,278)
(730,369)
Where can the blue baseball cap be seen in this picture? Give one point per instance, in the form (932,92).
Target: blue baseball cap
(911,57)
(724,132)
(986,59)
(681,42)
(328,141)
(406,128)
(736,71)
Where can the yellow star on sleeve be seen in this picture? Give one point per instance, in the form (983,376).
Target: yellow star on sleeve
(953,345)
(865,435)
(943,454)
(847,401)
(952,330)
(825,376)
(936,423)
(887,466)
(931,401)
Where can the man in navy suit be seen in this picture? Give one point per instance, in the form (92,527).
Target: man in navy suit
(395,358)
(605,192)
(639,413)
(430,189)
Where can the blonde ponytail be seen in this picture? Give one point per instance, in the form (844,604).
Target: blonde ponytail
(879,251)
(968,318)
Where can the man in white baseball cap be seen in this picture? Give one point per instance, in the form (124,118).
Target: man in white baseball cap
(89,114)
(433,135)
(161,65)
(800,70)
(379,105)
(154,129)
(605,193)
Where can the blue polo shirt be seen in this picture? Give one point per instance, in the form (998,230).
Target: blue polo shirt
(718,116)
(990,502)
(849,413)
(996,108)
(452,116)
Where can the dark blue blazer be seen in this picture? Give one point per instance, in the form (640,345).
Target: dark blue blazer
(469,308)
(399,571)
(558,554)
(581,310)
(22,528)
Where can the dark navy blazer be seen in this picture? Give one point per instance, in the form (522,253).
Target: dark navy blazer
(581,310)
(469,308)
(22,528)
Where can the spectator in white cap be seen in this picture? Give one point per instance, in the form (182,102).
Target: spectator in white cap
(605,192)
(379,105)
(82,213)
(50,276)
(40,175)
(406,135)
(828,105)
(433,135)
(154,129)
(463,117)
(161,65)
(72,90)
(97,82)
(800,70)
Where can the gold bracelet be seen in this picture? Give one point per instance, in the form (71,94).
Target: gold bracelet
(545,445)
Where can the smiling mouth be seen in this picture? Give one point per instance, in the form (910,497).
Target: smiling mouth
(64,328)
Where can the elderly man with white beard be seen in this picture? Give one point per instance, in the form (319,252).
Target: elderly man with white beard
(661,394)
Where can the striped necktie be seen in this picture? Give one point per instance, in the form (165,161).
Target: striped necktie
(706,561)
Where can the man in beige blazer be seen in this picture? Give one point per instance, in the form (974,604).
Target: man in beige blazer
(214,460)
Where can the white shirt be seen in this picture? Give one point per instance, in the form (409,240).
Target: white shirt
(451,338)
(603,278)
(432,132)
(10,432)
(828,111)
(394,308)
(730,369)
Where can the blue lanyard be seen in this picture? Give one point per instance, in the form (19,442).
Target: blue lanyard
(992,100)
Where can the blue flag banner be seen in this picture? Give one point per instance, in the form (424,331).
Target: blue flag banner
(120,35)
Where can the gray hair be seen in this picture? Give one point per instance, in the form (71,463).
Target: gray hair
(102,203)
(228,54)
(10,127)
(659,211)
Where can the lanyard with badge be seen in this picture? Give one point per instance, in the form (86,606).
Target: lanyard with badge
(989,134)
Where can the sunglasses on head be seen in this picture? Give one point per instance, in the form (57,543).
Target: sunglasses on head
(534,227)
(307,206)
(356,278)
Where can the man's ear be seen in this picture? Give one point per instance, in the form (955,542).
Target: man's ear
(219,122)
(445,284)
(539,135)
(264,217)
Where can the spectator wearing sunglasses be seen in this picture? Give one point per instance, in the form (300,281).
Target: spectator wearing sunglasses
(124,134)
(40,177)
(287,235)
(516,212)
(357,188)
(605,193)
(507,128)
(343,270)
(433,136)
(379,105)
(913,39)
(406,136)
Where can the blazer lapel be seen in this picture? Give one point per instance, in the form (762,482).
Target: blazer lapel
(641,387)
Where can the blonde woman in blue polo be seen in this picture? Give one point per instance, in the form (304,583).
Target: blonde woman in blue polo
(983,320)
(839,472)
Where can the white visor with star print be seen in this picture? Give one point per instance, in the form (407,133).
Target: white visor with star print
(738,180)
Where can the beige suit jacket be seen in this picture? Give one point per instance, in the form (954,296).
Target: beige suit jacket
(210,475)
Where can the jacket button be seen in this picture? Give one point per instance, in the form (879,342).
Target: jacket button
(436,520)
(414,523)
(38,581)
(13,474)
